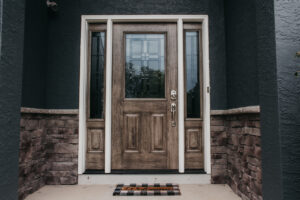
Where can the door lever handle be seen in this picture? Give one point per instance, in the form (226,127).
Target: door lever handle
(173,111)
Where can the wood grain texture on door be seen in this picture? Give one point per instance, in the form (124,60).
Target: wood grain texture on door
(144,73)
(158,140)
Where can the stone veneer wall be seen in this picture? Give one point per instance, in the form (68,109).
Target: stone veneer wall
(236,153)
(218,150)
(49,148)
(48,151)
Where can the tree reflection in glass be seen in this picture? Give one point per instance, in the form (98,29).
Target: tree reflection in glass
(97,75)
(145,66)
(192,74)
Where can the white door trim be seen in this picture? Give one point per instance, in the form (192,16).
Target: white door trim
(109,19)
(108,98)
(180,96)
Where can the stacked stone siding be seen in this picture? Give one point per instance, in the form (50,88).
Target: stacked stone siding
(236,154)
(244,156)
(218,150)
(48,151)
(32,155)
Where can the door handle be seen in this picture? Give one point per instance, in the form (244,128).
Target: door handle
(173,111)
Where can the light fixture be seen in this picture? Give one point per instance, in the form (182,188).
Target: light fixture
(51,4)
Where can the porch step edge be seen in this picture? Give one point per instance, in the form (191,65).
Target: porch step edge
(104,179)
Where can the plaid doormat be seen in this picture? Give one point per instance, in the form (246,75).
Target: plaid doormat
(147,190)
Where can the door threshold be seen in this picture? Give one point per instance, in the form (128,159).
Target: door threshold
(146,171)
(112,179)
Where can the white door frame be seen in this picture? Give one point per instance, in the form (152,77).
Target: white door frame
(110,19)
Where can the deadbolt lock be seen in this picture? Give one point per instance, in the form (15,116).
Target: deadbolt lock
(173,95)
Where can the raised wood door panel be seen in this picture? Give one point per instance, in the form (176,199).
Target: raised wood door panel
(142,134)
(95,148)
(194,147)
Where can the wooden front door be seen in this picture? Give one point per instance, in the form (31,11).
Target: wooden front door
(144,113)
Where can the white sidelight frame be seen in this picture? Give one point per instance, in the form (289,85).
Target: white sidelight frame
(110,19)
(180,89)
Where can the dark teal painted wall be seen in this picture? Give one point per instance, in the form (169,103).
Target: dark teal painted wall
(268,100)
(11,62)
(54,82)
(1,12)
(35,54)
(278,88)
(242,70)
(287,24)
(252,78)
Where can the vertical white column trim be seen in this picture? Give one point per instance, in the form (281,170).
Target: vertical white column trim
(108,98)
(82,96)
(206,95)
(180,96)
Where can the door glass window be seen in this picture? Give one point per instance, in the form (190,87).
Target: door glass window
(145,66)
(97,75)
(192,74)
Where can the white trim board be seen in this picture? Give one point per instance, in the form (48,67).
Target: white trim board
(49,111)
(110,19)
(180,96)
(237,111)
(108,99)
(104,179)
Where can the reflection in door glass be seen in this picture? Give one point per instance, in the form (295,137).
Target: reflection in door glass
(97,75)
(145,66)
(192,74)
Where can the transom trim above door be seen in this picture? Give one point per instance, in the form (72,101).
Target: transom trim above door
(153,75)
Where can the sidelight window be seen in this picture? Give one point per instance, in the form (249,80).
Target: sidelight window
(97,75)
(192,73)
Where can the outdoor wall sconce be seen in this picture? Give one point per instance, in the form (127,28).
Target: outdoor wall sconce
(51,4)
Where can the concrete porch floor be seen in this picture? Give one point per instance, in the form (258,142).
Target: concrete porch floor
(97,192)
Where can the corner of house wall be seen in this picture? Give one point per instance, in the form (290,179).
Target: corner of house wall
(236,153)
(48,151)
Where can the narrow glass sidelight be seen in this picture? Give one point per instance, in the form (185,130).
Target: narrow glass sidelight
(145,66)
(192,74)
(97,75)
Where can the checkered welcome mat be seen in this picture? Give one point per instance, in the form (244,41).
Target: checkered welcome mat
(147,190)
